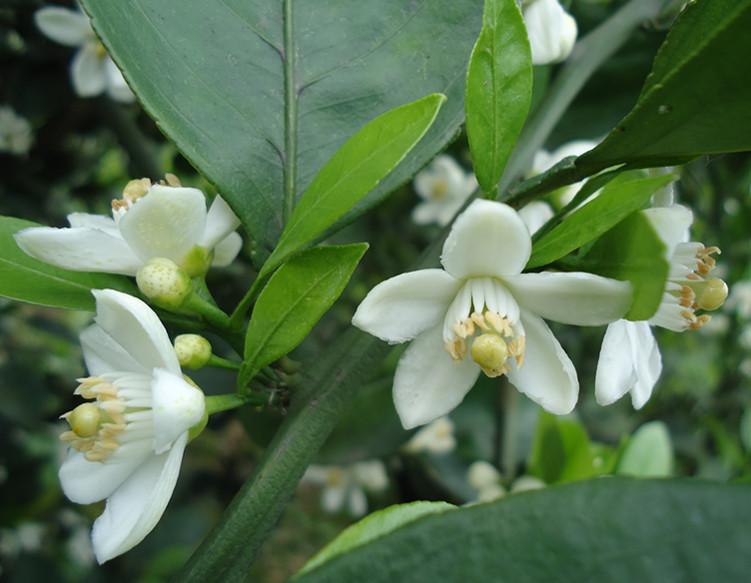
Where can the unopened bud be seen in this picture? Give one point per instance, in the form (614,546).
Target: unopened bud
(713,295)
(490,352)
(164,283)
(197,261)
(84,420)
(193,351)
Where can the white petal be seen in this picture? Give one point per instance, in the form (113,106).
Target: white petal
(117,87)
(672,224)
(220,222)
(85,482)
(90,221)
(135,327)
(648,361)
(167,222)
(404,306)
(428,382)
(616,371)
(487,239)
(535,215)
(89,71)
(135,508)
(103,354)
(332,498)
(358,502)
(547,375)
(64,26)
(582,299)
(371,475)
(226,250)
(177,406)
(79,249)
(552,31)
(428,212)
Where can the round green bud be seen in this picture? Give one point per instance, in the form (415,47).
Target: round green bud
(193,351)
(490,352)
(84,420)
(164,283)
(197,261)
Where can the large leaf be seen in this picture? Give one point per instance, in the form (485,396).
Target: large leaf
(293,301)
(259,94)
(29,280)
(361,163)
(499,90)
(611,529)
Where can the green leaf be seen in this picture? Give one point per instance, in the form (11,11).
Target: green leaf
(499,90)
(26,279)
(293,301)
(622,196)
(631,251)
(259,94)
(613,529)
(372,527)
(648,452)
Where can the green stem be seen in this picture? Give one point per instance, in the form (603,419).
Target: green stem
(219,362)
(509,402)
(219,403)
(290,120)
(235,320)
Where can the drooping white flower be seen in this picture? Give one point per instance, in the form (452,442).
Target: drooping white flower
(740,299)
(436,437)
(92,71)
(345,487)
(552,31)
(127,441)
(630,359)
(481,313)
(545,160)
(16,135)
(149,222)
(444,187)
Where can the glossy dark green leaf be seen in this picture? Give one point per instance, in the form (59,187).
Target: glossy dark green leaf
(618,199)
(608,529)
(259,94)
(293,301)
(26,279)
(499,90)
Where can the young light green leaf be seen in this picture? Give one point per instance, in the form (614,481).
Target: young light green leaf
(618,199)
(372,527)
(353,171)
(631,251)
(648,452)
(27,279)
(293,301)
(499,90)
(614,529)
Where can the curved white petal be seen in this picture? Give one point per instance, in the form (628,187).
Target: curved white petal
(672,224)
(428,382)
(487,239)
(332,498)
(404,306)
(648,362)
(547,375)
(582,299)
(79,249)
(167,222)
(135,327)
(91,221)
(535,215)
(85,482)
(220,222)
(135,507)
(102,354)
(616,371)
(117,87)
(428,212)
(357,503)
(552,31)
(226,250)
(176,405)
(89,72)
(64,26)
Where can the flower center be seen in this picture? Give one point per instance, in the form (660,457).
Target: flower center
(135,190)
(439,189)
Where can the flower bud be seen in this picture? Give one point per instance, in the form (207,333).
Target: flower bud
(164,283)
(193,351)
(197,261)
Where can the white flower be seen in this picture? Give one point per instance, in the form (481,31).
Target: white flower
(127,441)
(486,481)
(93,72)
(480,313)
(346,486)
(740,299)
(526,483)
(535,215)
(16,136)
(545,160)
(436,437)
(444,186)
(150,221)
(552,31)
(630,359)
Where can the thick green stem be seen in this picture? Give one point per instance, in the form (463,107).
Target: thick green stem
(219,403)
(219,362)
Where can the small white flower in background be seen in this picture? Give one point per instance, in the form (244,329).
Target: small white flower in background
(740,299)
(526,483)
(545,160)
(127,441)
(344,488)
(164,221)
(444,187)
(745,367)
(552,31)
(436,437)
(745,338)
(92,71)
(535,215)
(630,359)
(481,314)
(16,135)
(486,481)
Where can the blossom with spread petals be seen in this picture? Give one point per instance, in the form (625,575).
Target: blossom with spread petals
(444,186)
(345,487)
(552,31)
(436,437)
